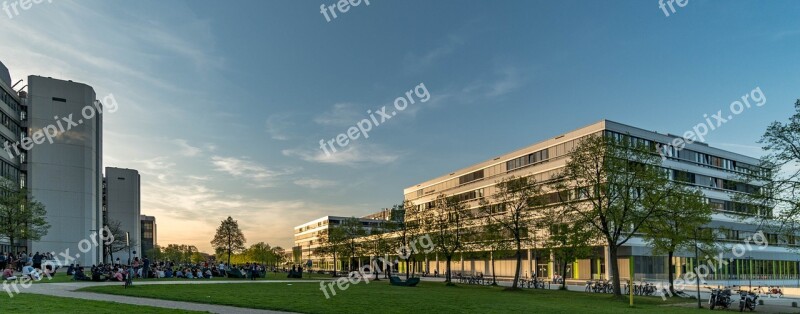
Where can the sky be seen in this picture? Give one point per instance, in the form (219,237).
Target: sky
(222,104)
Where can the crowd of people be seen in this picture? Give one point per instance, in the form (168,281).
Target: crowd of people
(30,266)
(20,260)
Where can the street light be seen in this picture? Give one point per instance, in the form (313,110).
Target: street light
(750,268)
(697,259)
(128,244)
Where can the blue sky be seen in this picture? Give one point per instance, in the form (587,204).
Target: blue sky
(222,103)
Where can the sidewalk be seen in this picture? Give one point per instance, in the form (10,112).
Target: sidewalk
(68,290)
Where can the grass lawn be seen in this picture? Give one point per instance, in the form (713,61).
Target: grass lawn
(34,303)
(62,277)
(381,297)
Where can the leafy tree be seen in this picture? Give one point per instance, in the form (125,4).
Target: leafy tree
(156,253)
(406,230)
(260,253)
(21,216)
(685,212)
(353,232)
(510,208)
(229,238)
(447,222)
(179,253)
(779,177)
(278,253)
(496,240)
(621,186)
(568,238)
(331,242)
(378,244)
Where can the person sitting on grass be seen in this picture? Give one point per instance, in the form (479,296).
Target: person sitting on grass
(209,274)
(8,273)
(188,274)
(79,275)
(168,273)
(118,275)
(199,274)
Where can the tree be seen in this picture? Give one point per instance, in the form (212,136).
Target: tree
(229,238)
(619,185)
(406,230)
(353,231)
(685,212)
(278,252)
(568,237)
(778,175)
(378,244)
(156,253)
(180,253)
(495,239)
(331,242)
(260,252)
(447,221)
(120,241)
(21,216)
(510,208)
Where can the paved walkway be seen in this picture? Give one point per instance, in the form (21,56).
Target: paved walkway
(68,290)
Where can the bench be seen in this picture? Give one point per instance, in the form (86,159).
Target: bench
(396,281)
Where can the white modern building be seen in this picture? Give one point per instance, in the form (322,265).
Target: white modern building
(122,204)
(66,175)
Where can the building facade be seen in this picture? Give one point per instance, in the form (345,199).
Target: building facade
(712,170)
(122,205)
(66,174)
(308,237)
(149,238)
(13,124)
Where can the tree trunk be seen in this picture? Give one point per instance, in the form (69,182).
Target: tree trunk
(407,267)
(519,266)
(612,250)
(448,275)
(494,274)
(670,275)
(563,275)
(334,263)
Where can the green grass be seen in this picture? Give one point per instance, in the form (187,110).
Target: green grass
(33,303)
(62,277)
(380,297)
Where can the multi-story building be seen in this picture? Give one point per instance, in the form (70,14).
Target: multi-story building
(13,124)
(149,234)
(714,171)
(122,204)
(307,237)
(66,174)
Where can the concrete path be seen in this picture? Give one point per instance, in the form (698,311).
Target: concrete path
(68,290)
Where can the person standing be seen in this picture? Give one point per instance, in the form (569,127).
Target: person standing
(146,267)
(253,271)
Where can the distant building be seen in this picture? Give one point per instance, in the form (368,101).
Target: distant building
(149,233)
(122,203)
(307,237)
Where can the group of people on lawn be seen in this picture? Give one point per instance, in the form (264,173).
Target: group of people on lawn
(30,266)
(144,268)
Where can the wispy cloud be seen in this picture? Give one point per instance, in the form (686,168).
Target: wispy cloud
(424,61)
(341,115)
(186,149)
(245,168)
(315,183)
(351,156)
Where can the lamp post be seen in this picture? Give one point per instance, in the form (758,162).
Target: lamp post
(697,259)
(750,275)
(128,244)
